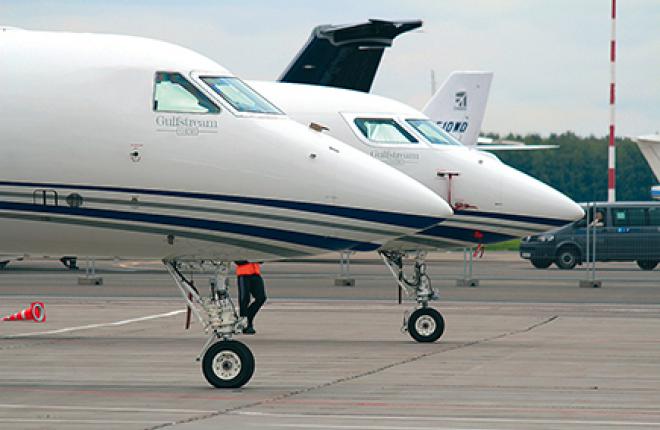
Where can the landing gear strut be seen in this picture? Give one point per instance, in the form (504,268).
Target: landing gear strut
(425,324)
(226,363)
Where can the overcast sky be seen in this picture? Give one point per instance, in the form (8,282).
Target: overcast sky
(550,58)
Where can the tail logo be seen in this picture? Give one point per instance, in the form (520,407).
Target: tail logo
(460,100)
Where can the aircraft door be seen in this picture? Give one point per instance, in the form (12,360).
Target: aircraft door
(45,197)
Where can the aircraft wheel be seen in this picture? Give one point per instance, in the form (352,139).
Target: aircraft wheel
(426,325)
(228,364)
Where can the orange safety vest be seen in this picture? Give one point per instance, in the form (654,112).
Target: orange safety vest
(248,269)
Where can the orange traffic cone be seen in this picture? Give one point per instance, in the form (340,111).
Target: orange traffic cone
(36,312)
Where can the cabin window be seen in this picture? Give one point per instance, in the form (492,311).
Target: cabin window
(432,132)
(174,93)
(239,95)
(383,130)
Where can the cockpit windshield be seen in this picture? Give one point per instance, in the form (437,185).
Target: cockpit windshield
(240,96)
(432,132)
(383,130)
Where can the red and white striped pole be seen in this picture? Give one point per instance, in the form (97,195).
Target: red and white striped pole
(611,160)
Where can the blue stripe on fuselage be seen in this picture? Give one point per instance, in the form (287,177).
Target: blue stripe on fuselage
(467,234)
(306,239)
(552,222)
(393,218)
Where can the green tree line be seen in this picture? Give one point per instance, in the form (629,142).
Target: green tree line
(578,168)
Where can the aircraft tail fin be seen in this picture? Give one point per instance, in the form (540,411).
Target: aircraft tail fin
(345,56)
(459,104)
(650,147)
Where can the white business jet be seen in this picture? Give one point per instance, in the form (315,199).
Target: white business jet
(492,202)
(130,147)
(326,87)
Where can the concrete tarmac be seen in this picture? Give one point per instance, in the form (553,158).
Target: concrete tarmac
(117,356)
(503,276)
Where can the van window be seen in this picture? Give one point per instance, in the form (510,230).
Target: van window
(628,217)
(383,130)
(591,215)
(654,216)
(174,93)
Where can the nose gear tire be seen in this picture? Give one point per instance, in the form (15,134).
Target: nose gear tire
(228,364)
(426,325)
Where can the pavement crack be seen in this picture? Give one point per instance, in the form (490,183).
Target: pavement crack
(354,377)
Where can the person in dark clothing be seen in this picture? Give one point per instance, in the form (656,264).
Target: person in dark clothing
(250,284)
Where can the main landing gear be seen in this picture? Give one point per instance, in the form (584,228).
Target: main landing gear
(226,363)
(425,324)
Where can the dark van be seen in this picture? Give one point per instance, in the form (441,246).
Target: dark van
(623,231)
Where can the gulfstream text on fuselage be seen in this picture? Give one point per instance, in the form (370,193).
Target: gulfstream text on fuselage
(182,121)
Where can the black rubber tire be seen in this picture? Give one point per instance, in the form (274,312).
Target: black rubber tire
(240,350)
(567,258)
(647,264)
(437,319)
(541,264)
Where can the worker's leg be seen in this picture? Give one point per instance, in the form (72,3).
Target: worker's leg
(258,292)
(243,295)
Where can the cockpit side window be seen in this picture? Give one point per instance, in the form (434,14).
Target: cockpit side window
(432,132)
(174,93)
(239,95)
(383,130)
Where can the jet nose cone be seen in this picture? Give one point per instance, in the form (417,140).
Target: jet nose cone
(568,209)
(540,200)
(410,196)
(362,181)
(360,199)
(555,205)
(378,186)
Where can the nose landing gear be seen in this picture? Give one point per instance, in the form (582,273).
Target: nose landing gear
(425,324)
(226,363)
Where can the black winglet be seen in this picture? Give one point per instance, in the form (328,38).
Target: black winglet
(345,56)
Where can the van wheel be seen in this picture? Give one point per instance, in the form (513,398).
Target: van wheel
(541,264)
(567,258)
(647,264)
